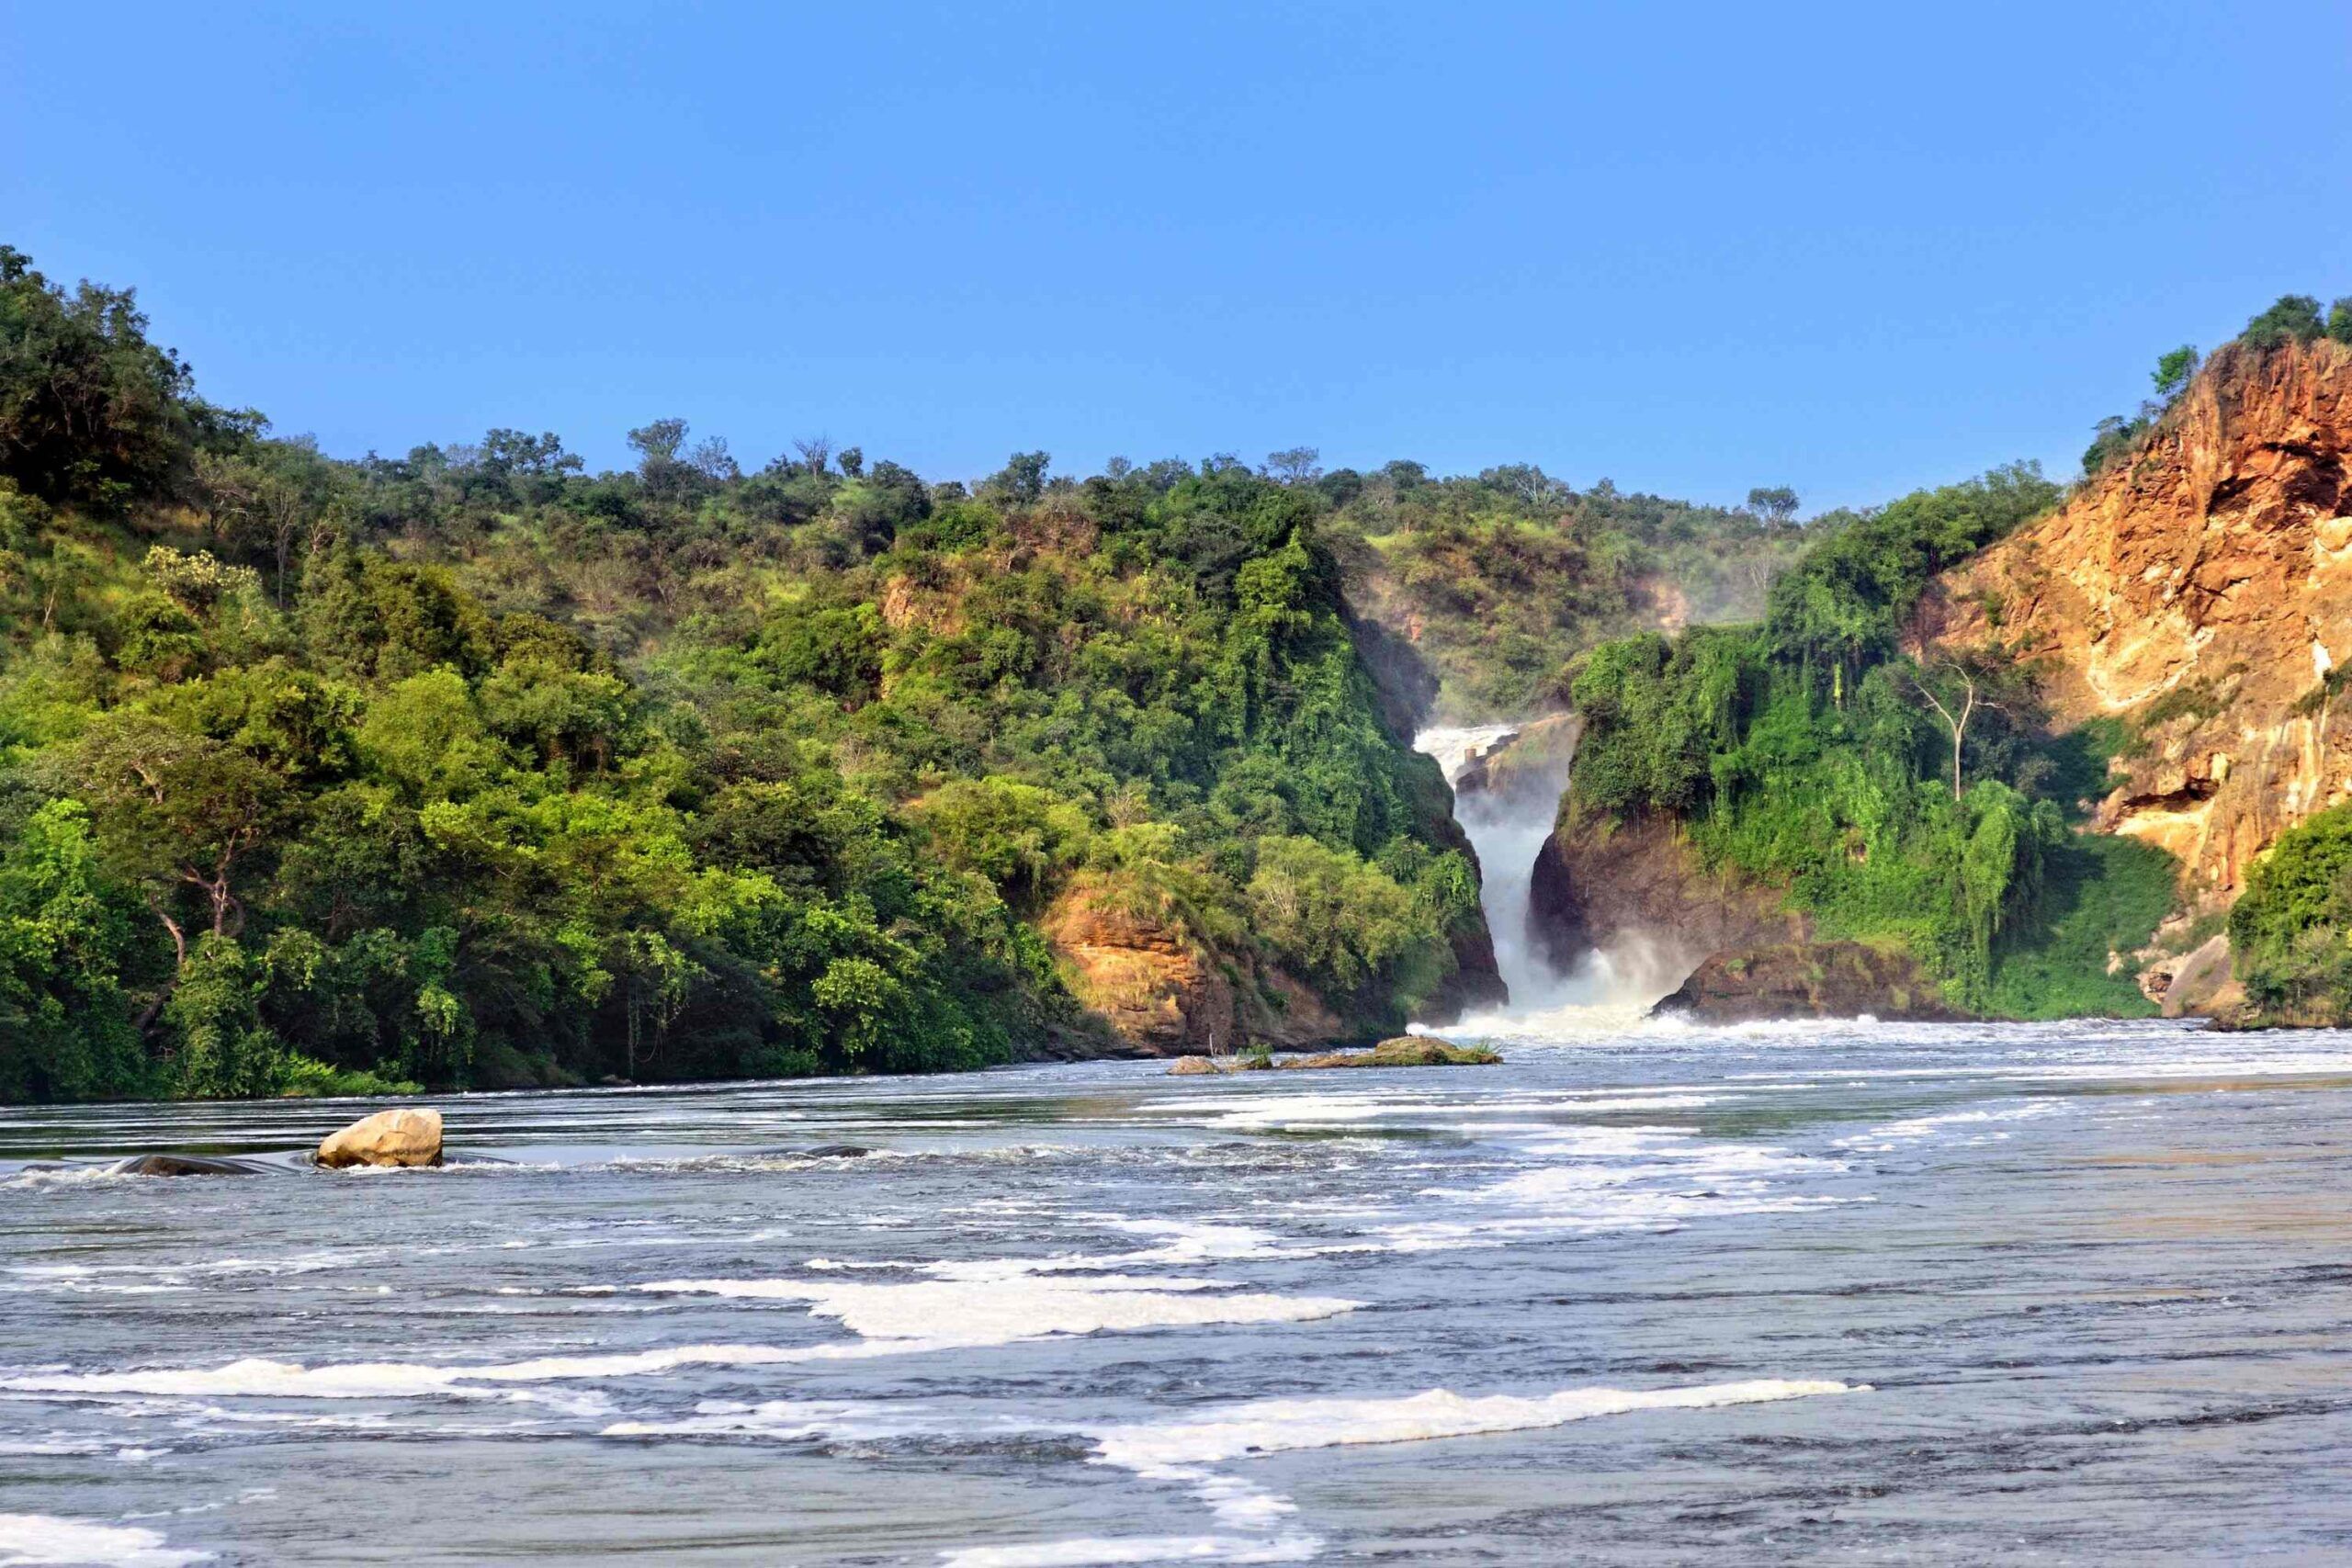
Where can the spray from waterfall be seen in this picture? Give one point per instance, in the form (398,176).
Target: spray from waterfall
(1507,796)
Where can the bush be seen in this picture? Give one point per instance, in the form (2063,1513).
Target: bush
(2295,317)
(2291,929)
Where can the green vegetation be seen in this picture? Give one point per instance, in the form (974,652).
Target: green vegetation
(1917,806)
(1500,581)
(2291,930)
(2294,318)
(473,767)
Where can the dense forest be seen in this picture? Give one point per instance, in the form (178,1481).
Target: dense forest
(471,767)
(474,767)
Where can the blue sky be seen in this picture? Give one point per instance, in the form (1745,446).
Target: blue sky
(1693,248)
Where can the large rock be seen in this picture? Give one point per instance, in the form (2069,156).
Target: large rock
(1636,890)
(1130,958)
(1807,979)
(389,1137)
(2201,983)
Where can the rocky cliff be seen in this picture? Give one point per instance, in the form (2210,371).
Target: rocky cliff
(1807,979)
(1158,989)
(2200,592)
(1599,887)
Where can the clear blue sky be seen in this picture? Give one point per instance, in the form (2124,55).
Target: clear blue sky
(1692,248)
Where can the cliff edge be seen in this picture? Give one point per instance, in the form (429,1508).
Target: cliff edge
(2200,591)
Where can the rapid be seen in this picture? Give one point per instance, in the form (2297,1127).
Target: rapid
(1643,1294)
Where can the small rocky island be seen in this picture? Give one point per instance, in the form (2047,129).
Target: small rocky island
(1402,1051)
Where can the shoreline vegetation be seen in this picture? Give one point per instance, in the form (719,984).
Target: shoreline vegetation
(471,768)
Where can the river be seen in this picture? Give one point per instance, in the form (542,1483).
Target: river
(2055,1293)
(1644,1293)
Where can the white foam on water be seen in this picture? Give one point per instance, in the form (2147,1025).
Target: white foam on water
(1182,1451)
(30,1540)
(263,1379)
(1005,1310)
(1596,1179)
(786,1420)
(1981,1127)
(1271,1426)
(1085,1552)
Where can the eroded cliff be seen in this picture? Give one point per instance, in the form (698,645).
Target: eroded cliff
(2200,592)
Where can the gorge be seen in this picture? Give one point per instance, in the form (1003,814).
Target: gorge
(473,769)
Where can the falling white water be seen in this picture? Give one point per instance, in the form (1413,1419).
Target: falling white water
(1508,827)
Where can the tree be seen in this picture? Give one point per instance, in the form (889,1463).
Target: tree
(2174,371)
(1295,465)
(176,809)
(2295,317)
(252,505)
(538,456)
(90,411)
(1776,505)
(1022,481)
(658,467)
(1955,715)
(2339,320)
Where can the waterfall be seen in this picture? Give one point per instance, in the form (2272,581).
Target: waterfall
(1507,820)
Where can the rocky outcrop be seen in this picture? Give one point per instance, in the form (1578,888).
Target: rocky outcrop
(2201,983)
(1156,989)
(1605,887)
(1526,768)
(1402,1051)
(404,1137)
(2200,591)
(1807,979)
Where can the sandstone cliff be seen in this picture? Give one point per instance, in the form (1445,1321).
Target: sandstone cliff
(2200,592)
(1158,989)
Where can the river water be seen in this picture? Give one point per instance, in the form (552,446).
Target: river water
(2062,1293)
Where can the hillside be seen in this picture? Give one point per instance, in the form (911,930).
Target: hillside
(2194,601)
(2009,730)
(471,767)
(1489,586)
(2198,593)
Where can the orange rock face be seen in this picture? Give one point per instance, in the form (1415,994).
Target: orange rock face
(2201,591)
(1136,968)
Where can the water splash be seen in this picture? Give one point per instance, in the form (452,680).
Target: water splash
(1508,823)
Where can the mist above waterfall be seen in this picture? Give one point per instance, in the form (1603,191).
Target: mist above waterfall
(1507,797)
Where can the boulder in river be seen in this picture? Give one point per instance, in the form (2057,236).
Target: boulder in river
(405,1136)
(180,1165)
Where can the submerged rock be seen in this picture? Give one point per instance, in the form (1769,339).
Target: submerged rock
(1808,979)
(836,1151)
(181,1165)
(403,1137)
